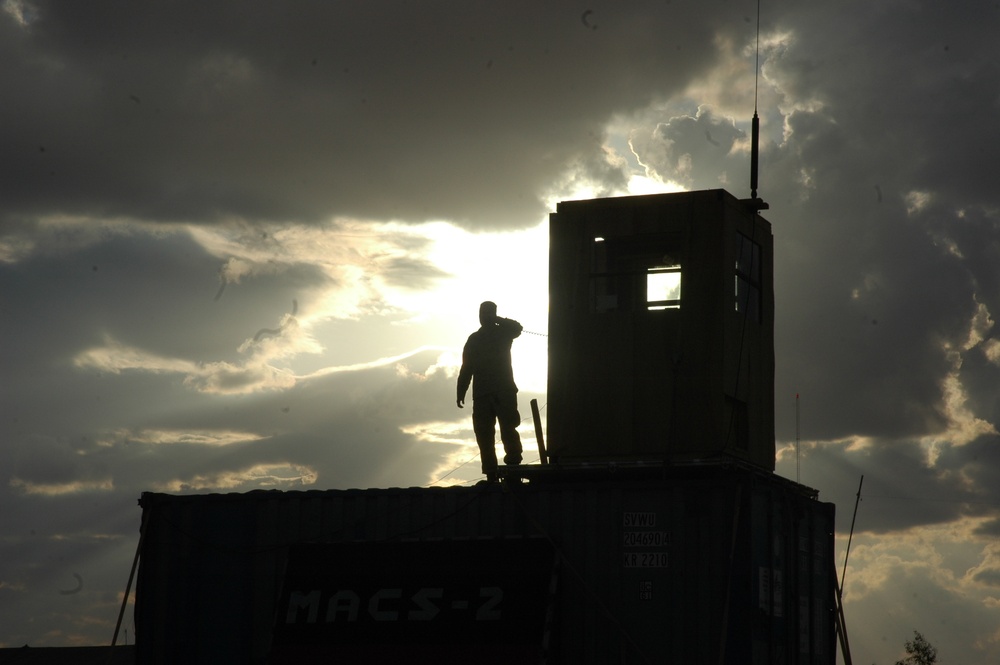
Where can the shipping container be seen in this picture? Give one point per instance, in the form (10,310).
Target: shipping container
(603,564)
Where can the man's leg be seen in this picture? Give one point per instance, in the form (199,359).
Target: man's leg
(509,420)
(484,418)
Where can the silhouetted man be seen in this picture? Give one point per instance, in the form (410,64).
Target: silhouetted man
(486,364)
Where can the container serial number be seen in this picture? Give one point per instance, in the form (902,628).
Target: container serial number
(645,559)
(646,538)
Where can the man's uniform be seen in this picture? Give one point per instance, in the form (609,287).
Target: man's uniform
(486,364)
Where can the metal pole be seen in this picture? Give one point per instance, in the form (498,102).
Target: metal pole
(131,576)
(542,457)
(841,623)
(850,537)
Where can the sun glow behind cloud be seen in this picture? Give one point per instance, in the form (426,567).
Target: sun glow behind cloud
(209,438)
(508,268)
(429,277)
(371,364)
(284,476)
(115,357)
(254,374)
(459,462)
(61,489)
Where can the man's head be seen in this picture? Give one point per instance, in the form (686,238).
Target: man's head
(487,313)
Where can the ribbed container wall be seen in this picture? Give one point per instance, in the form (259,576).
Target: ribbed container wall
(702,565)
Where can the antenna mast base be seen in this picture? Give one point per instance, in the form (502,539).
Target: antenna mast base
(756,204)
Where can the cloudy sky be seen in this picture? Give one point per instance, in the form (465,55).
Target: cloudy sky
(242,244)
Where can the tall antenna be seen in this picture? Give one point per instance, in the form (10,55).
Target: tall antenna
(756,203)
(796,437)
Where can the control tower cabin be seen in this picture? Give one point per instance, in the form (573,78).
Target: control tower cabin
(661,330)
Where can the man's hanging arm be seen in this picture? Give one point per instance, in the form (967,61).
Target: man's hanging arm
(464,379)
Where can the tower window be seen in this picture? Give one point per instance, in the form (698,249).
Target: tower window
(663,287)
(634,273)
(747,295)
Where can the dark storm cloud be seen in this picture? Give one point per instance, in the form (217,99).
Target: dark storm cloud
(910,79)
(885,245)
(869,311)
(120,283)
(876,285)
(866,294)
(980,375)
(693,149)
(195,111)
(902,489)
(131,291)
